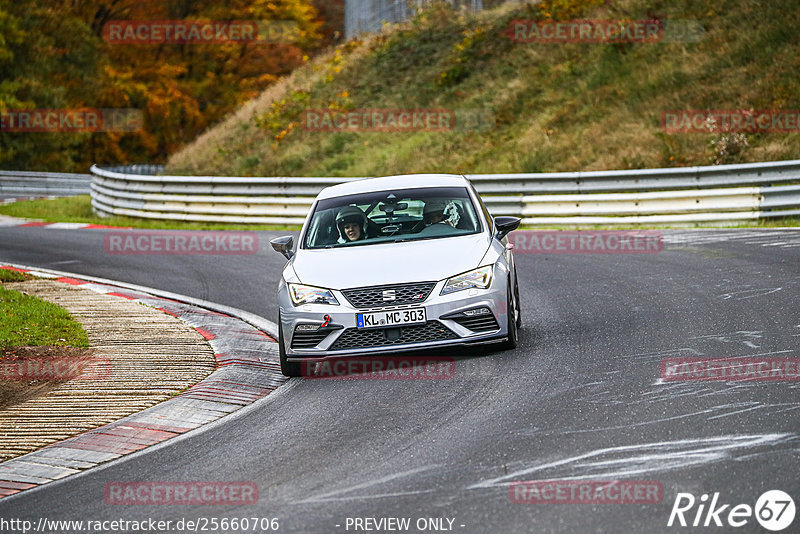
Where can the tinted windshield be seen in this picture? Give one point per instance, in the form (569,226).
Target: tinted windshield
(390,216)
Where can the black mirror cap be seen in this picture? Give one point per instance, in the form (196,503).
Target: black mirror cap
(505,225)
(283,245)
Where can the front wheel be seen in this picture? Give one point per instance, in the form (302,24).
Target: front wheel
(512,319)
(289,369)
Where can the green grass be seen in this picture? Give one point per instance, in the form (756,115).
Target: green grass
(7,275)
(73,209)
(27,321)
(67,209)
(786,222)
(79,209)
(558,107)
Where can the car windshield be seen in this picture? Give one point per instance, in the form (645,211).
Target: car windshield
(392,216)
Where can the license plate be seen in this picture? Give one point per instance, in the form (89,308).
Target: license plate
(391,318)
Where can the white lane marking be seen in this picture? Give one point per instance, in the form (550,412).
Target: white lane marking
(759,406)
(750,406)
(66,226)
(664,354)
(328,496)
(644,458)
(65,262)
(364,497)
(742,336)
(723,358)
(749,293)
(42,275)
(730,388)
(643,423)
(99,288)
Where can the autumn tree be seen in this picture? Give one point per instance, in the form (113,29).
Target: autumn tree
(54,54)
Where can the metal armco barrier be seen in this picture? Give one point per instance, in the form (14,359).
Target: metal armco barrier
(725,193)
(40,184)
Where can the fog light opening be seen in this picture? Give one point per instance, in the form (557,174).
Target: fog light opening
(476,312)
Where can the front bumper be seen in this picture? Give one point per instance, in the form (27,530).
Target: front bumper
(445,325)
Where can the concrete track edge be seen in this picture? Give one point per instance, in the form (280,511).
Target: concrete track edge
(248,371)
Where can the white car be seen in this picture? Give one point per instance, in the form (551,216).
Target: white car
(396,264)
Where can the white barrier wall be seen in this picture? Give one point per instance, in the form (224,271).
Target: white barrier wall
(651,196)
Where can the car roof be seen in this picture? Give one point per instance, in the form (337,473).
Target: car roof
(387,183)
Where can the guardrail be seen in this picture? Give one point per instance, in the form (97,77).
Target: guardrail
(688,195)
(43,184)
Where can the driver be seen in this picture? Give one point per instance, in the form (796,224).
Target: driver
(352,224)
(435,212)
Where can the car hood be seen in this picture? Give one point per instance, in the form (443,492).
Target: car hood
(390,263)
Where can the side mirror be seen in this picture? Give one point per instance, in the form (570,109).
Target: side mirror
(283,245)
(505,225)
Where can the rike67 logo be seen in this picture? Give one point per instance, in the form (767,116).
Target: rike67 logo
(774,510)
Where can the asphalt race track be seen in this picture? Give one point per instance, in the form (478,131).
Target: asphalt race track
(581,398)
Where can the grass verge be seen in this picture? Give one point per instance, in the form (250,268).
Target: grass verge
(29,321)
(32,330)
(78,209)
(7,275)
(555,107)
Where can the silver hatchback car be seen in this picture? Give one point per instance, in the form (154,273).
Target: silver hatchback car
(396,264)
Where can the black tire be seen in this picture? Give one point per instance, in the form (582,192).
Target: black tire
(512,318)
(289,369)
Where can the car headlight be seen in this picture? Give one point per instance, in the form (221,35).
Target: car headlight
(302,294)
(480,278)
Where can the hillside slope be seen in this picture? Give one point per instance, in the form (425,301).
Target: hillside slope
(556,107)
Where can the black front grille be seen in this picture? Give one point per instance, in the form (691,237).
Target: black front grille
(478,323)
(308,339)
(353,338)
(373,297)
